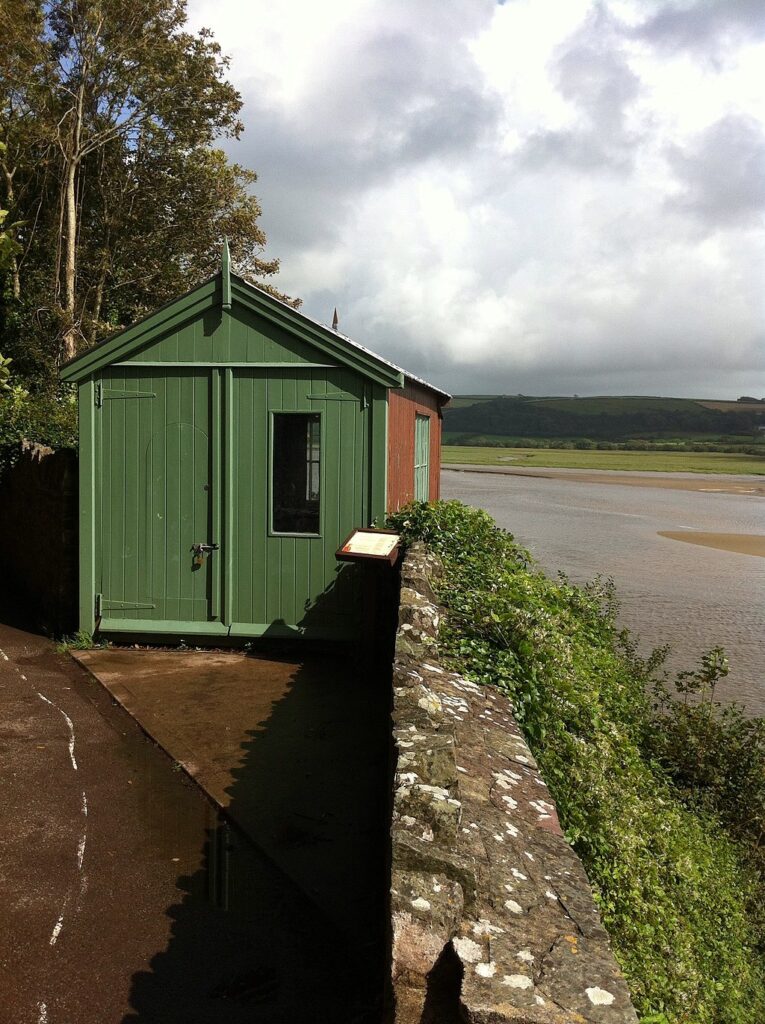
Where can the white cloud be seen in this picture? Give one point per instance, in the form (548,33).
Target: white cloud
(517,197)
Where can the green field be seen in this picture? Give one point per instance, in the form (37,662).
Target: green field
(557,458)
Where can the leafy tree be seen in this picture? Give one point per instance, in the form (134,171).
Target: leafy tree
(5,373)
(7,253)
(110,112)
(7,243)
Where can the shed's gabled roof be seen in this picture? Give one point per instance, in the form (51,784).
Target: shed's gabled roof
(211,293)
(362,348)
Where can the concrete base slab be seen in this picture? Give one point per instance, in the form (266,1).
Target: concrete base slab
(294,750)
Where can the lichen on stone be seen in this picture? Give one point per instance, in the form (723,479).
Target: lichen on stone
(526,952)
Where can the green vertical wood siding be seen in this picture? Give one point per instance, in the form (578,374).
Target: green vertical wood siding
(186,457)
(176,427)
(295,581)
(88,521)
(155,495)
(217,337)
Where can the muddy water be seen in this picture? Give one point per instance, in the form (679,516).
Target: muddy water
(688,595)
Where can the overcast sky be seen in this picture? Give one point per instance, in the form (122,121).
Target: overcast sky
(538,196)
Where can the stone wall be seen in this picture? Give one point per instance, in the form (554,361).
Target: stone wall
(38,528)
(492,916)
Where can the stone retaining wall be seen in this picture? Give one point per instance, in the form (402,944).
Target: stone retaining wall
(493,918)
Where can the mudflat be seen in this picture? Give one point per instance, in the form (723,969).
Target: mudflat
(674,481)
(742,543)
(688,596)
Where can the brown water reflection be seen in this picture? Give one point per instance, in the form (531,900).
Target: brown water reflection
(686,595)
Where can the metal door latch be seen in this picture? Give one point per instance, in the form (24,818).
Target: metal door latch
(200,550)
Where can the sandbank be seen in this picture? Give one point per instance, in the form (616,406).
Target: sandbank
(750,485)
(743,543)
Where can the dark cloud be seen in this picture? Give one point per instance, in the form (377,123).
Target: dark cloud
(387,102)
(583,149)
(466,235)
(684,383)
(594,75)
(591,71)
(638,359)
(706,27)
(722,173)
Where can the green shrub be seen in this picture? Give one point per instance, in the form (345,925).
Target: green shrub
(47,418)
(674,875)
(713,753)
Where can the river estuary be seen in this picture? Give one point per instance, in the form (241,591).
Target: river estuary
(689,596)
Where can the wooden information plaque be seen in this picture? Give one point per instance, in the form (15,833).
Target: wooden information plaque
(368,543)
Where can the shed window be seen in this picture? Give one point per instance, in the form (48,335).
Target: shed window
(296,472)
(422,458)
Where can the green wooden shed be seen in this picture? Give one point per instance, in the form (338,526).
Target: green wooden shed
(228,446)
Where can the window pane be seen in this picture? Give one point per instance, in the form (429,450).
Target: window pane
(296,472)
(422,458)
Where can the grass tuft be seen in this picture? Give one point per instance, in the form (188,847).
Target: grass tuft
(81,641)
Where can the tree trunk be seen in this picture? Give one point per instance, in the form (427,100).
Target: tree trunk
(11,196)
(70,258)
(72,153)
(99,299)
(15,278)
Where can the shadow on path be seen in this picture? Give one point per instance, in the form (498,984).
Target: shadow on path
(284,919)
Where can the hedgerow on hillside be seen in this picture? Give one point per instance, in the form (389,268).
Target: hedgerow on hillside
(672,859)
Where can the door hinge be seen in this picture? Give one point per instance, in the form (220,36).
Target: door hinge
(98,605)
(121,605)
(337,396)
(99,394)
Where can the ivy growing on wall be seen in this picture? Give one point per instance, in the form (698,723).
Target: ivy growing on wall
(662,798)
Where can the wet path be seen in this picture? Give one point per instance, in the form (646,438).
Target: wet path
(148,908)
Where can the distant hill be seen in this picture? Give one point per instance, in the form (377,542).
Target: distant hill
(608,418)
(462,401)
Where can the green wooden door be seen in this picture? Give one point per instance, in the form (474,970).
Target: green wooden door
(299,486)
(422,458)
(156,498)
(271,465)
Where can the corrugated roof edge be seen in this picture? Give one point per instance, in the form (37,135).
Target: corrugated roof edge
(350,341)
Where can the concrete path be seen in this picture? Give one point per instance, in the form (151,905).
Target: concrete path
(123,896)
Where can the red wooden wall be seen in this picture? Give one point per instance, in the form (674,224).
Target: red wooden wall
(403,406)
